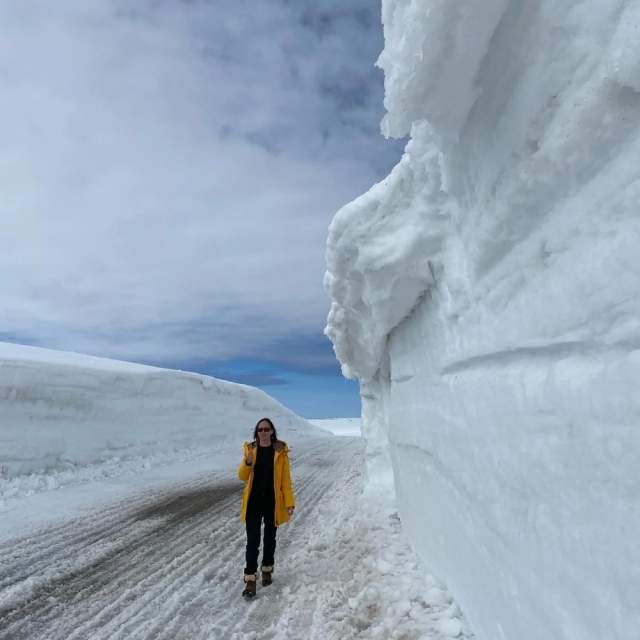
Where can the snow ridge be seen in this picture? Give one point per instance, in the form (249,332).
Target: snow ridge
(69,418)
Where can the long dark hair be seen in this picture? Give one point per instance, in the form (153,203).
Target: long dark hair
(274,435)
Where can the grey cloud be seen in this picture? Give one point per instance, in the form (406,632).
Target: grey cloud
(169,169)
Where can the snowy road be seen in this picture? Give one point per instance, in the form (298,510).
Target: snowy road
(167,564)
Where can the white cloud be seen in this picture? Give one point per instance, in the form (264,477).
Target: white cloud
(168,170)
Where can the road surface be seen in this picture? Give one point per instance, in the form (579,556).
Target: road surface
(164,564)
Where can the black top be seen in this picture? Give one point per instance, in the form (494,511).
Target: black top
(262,487)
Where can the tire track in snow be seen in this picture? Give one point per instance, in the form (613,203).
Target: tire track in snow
(74,536)
(170,565)
(69,544)
(126,559)
(186,541)
(156,578)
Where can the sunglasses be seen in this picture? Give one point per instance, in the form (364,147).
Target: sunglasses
(267,429)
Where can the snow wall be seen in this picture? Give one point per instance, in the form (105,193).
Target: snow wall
(62,409)
(487,296)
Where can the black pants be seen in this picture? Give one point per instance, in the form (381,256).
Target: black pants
(255,515)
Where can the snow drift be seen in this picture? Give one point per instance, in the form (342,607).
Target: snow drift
(62,409)
(487,296)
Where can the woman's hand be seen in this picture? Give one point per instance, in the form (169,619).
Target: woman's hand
(249,457)
(290,510)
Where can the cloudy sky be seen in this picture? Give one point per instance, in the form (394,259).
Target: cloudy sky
(168,170)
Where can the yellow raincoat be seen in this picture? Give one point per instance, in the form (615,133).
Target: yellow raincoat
(281,480)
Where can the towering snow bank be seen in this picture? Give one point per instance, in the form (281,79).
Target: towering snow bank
(487,296)
(63,409)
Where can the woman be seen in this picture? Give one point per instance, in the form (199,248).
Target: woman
(267,496)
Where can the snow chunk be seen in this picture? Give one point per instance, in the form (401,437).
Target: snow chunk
(433,52)
(624,55)
(379,255)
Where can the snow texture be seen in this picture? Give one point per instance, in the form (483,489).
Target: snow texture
(487,296)
(68,418)
(163,558)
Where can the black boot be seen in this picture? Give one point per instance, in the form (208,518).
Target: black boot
(267,576)
(249,585)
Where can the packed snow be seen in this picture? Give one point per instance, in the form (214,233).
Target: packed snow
(487,296)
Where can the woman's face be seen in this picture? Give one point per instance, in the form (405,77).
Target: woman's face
(264,432)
